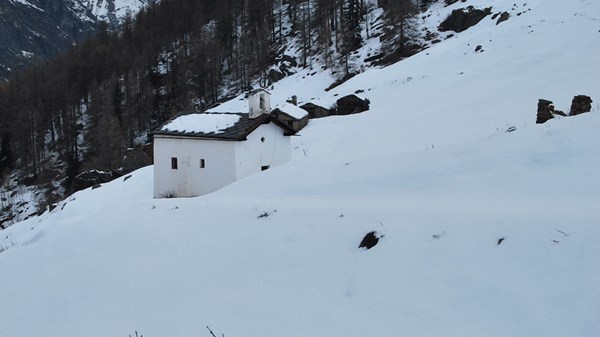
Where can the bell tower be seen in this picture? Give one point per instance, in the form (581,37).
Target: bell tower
(259,102)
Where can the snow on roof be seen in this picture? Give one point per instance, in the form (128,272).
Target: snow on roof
(202,123)
(257,90)
(292,110)
(236,105)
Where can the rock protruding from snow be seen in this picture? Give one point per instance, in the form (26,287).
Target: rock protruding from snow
(275,75)
(544,111)
(580,104)
(462,19)
(503,17)
(370,240)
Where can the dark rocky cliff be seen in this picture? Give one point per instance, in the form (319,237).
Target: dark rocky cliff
(36,30)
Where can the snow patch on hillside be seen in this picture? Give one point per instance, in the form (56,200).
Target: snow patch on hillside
(27,3)
(120,8)
(112,11)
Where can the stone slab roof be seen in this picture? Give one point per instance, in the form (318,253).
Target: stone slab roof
(236,132)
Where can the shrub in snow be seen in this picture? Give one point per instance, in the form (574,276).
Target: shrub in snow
(212,333)
(168,195)
(266,214)
(438,236)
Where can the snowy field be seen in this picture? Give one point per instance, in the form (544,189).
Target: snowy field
(484,232)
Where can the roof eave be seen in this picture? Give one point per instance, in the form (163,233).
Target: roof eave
(163,134)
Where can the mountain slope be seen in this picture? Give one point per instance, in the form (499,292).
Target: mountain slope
(36,30)
(113,11)
(430,167)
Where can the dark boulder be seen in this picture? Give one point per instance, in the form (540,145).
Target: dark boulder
(370,240)
(503,17)
(92,178)
(137,157)
(275,75)
(544,111)
(462,19)
(580,104)
(289,60)
(285,63)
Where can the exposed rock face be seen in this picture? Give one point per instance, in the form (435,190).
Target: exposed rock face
(580,104)
(462,19)
(544,111)
(137,157)
(92,178)
(286,63)
(450,2)
(275,75)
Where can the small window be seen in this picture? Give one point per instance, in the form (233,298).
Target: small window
(262,101)
(202,164)
(264,168)
(174,163)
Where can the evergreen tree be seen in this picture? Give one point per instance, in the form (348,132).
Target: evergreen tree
(6,158)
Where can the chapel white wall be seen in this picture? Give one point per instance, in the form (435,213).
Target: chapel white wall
(252,154)
(189,179)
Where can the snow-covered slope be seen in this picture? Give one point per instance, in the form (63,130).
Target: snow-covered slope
(485,232)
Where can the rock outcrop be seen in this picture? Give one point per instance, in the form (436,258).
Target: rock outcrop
(503,17)
(544,111)
(462,19)
(581,104)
